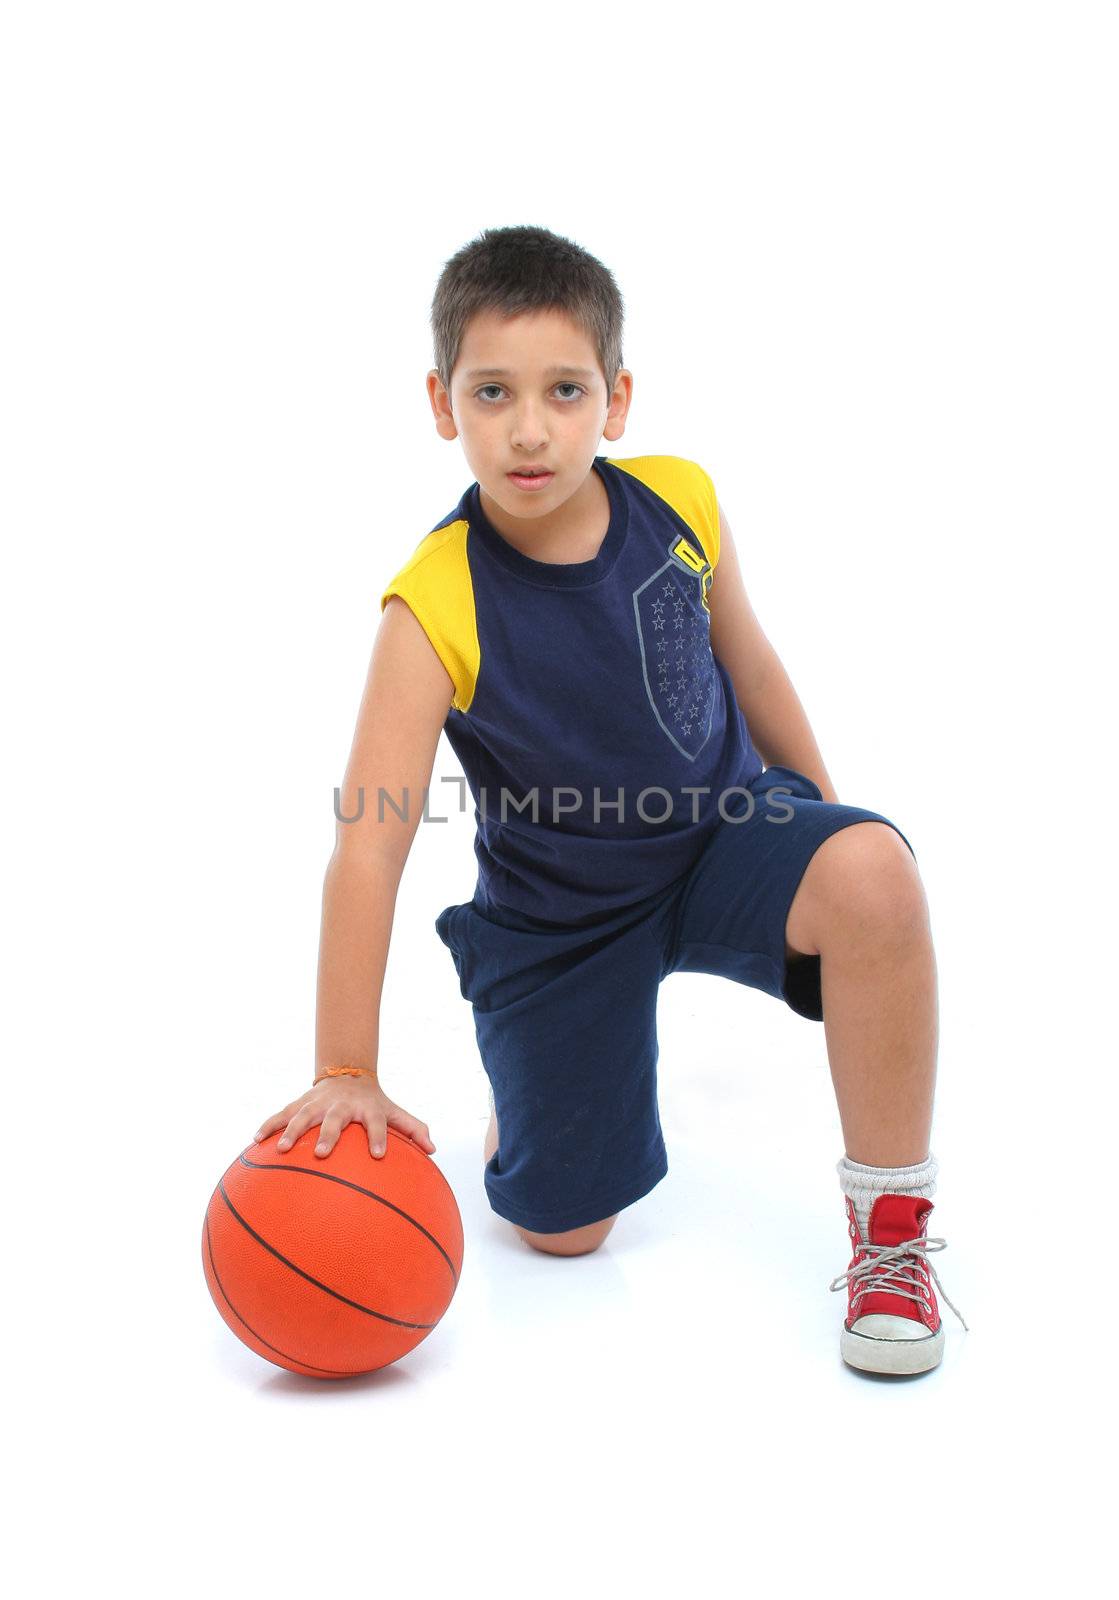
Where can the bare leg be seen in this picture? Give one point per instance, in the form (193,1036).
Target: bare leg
(861,908)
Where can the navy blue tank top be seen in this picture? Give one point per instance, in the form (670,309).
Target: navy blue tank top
(595,727)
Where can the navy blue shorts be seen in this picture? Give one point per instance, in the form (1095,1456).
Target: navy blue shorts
(566,1019)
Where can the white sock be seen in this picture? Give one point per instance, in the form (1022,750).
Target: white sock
(863,1185)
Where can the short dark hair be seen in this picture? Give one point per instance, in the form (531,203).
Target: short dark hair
(513,270)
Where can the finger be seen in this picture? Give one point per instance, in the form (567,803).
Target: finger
(332,1125)
(416,1130)
(303,1119)
(376,1127)
(270,1124)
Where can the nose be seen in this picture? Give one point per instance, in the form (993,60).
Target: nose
(529,431)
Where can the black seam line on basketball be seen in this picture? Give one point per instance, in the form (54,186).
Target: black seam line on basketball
(332,1177)
(328,1372)
(381,1316)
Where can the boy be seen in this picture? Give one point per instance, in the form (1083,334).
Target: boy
(649,798)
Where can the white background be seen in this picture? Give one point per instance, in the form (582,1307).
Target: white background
(868,254)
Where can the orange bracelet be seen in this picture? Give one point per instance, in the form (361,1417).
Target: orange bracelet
(354,1072)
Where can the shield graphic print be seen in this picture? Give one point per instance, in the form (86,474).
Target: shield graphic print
(673,631)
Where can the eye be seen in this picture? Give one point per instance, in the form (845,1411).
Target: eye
(481,393)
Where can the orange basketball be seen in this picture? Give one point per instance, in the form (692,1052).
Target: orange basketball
(332,1265)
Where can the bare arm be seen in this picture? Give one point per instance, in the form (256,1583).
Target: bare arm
(405,703)
(774,715)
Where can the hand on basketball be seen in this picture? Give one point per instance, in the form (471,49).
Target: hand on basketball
(334,1104)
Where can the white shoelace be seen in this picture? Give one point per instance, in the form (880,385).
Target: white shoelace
(894,1279)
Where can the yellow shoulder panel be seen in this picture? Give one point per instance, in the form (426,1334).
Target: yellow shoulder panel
(436,585)
(687,489)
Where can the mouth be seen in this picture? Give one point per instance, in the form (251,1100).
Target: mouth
(531,477)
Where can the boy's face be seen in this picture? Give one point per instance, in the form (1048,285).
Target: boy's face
(528,391)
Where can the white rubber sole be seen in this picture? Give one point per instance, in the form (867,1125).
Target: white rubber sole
(891,1355)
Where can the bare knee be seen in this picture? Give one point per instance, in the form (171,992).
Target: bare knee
(575,1242)
(864,877)
(875,873)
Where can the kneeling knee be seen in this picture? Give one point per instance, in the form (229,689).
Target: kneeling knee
(575,1242)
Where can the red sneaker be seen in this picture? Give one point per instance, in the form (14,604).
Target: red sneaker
(893,1323)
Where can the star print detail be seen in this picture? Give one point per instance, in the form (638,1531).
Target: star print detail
(684,702)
